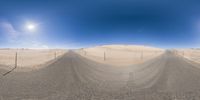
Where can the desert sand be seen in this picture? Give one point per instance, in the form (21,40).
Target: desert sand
(190,54)
(28,58)
(166,76)
(120,55)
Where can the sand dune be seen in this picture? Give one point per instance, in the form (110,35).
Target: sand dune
(120,55)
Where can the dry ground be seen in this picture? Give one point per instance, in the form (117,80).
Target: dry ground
(28,58)
(191,54)
(120,55)
(167,76)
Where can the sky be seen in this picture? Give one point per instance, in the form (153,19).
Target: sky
(85,23)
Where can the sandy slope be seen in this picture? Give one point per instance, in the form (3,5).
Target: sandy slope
(120,55)
(72,77)
(190,54)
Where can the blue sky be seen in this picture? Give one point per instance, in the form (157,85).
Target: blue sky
(83,23)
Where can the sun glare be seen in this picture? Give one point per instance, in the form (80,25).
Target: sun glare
(31,27)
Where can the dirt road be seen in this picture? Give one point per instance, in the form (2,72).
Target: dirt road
(73,77)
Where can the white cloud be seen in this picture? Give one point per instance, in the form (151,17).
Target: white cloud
(8,29)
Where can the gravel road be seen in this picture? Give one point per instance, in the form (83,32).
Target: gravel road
(73,77)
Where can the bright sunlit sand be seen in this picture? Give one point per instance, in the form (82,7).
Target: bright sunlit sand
(28,58)
(120,55)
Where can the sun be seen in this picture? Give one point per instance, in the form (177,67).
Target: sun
(31,27)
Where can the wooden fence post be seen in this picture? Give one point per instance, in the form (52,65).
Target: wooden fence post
(14,66)
(16,60)
(104,55)
(85,52)
(55,55)
(142,55)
